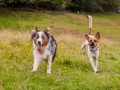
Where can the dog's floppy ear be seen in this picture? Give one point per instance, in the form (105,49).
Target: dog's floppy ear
(34,31)
(47,31)
(97,35)
(87,37)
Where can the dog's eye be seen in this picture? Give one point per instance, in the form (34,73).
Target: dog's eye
(95,40)
(37,36)
(90,40)
(43,37)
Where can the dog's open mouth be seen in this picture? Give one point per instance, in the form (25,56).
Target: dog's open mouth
(39,47)
(92,46)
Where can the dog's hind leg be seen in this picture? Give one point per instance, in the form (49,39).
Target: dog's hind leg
(84,46)
(49,62)
(84,49)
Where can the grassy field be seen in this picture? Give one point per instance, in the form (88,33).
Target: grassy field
(71,69)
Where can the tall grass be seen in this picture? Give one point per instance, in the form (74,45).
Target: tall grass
(71,69)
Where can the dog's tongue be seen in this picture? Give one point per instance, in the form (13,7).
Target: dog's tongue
(39,48)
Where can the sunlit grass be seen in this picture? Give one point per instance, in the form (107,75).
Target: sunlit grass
(71,69)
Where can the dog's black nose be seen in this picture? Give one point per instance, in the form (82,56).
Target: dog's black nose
(39,42)
(92,43)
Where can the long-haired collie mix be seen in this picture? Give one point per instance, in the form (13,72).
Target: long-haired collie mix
(44,48)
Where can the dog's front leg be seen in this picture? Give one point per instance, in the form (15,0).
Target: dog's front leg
(49,62)
(96,64)
(93,65)
(36,64)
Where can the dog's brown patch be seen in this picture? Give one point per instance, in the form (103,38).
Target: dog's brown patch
(35,40)
(96,40)
(90,39)
(90,30)
(45,42)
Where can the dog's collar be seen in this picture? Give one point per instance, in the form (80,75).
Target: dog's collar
(95,49)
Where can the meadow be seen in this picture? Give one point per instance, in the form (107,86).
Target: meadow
(71,69)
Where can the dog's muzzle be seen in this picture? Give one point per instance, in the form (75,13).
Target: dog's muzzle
(92,45)
(39,47)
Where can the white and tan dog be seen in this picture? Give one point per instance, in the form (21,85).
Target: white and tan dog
(90,45)
(44,48)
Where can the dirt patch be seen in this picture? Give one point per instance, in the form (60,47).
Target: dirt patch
(64,31)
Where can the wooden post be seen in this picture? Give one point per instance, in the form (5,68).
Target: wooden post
(78,13)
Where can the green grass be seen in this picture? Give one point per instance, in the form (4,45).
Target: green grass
(71,69)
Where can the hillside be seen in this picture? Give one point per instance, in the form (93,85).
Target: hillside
(71,69)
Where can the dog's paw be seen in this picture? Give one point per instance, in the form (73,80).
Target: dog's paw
(32,71)
(48,72)
(96,72)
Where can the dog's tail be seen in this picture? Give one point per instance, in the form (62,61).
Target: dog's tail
(90,24)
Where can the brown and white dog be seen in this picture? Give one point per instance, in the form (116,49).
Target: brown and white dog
(44,48)
(90,45)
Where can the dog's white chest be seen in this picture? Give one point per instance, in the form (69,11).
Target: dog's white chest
(42,54)
(93,53)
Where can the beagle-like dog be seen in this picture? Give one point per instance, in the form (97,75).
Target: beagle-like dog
(91,46)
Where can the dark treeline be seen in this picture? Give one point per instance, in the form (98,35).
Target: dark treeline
(72,5)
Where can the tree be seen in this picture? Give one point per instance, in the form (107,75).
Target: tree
(73,5)
(93,5)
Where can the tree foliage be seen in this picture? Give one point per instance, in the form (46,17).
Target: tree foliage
(93,5)
(73,5)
